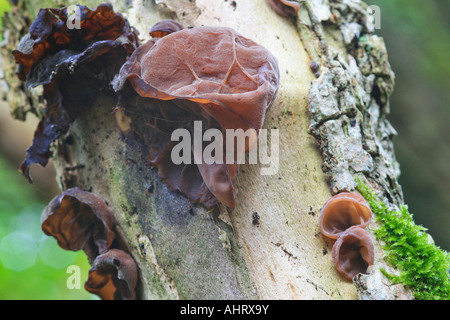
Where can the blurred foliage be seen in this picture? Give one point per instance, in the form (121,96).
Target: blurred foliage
(4,7)
(426,24)
(417,36)
(32,266)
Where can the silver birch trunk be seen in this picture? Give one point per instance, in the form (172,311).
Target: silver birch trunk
(333,128)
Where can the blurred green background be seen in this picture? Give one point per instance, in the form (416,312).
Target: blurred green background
(417,36)
(32,266)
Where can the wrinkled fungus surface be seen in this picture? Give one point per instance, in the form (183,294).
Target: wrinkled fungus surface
(343,211)
(79,220)
(73,65)
(113,276)
(353,252)
(285,8)
(211,74)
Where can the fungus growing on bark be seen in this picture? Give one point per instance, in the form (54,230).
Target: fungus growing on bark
(165,27)
(113,276)
(210,74)
(285,8)
(343,211)
(79,220)
(72,64)
(353,252)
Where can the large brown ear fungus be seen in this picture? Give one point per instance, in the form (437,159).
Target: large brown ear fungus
(343,211)
(79,220)
(353,252)
(113,276)
(72,64)
(210,74)
(285,8)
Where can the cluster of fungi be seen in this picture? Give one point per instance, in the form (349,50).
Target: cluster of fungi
(73,66)
(343,219)
(211,74)
(81,220)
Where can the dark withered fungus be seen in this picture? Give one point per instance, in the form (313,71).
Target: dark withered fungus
(113,276)
(353,252)
(285,8)
(73,65)
(343,211)
(210,74)
(79,220)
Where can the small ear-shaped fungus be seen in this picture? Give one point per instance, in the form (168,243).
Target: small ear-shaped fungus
(165,27)
(285,8)
(73,65)
(210,74)
(353,252)
(113,276)
(79,220)
(343,211)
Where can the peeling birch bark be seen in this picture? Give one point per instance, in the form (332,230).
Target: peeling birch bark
(270,246)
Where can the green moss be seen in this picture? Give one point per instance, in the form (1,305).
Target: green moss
(423,266)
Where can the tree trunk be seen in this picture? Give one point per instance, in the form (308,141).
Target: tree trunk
(333,128)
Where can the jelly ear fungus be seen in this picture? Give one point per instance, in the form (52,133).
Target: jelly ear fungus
(343,218)
(208,74)
(353,252)
(113,276)
(343,211)
(81,220)
(285,8)
(72,65)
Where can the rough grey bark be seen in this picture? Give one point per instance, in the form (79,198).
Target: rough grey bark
(187,252)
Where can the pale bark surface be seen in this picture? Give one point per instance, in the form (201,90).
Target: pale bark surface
(191,253)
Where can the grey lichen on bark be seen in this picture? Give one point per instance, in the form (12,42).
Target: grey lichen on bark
(185,251)
(14,26)
(349,102)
